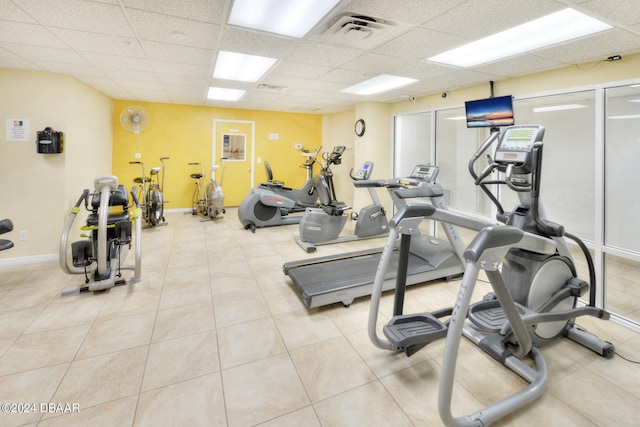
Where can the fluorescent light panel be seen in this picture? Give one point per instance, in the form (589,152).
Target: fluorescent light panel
(224,94)
(241,67)
(549,30)
(294,18)
(379,84)
(558,108)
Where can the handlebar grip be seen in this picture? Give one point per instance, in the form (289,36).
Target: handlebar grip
(84,196)
(134,196)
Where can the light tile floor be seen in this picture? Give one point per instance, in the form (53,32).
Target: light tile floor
(215,335)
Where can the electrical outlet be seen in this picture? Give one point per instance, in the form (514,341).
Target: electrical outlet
(138,155)
(23,235)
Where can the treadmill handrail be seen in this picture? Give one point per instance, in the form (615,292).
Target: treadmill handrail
(378,183)
(433,190)
(425,211)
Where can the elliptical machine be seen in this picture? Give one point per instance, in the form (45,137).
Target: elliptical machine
(110,235)
(323,225)
(531,271)
(270,204)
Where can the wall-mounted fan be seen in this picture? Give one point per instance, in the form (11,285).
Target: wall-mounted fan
(134,118)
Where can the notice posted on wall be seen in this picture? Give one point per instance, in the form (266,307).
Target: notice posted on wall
(18,130)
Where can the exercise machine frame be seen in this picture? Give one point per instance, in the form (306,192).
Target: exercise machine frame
(110,235)
(323,225)
(531,272)
(153,197)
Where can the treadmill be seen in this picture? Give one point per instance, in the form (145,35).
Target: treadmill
(344,277)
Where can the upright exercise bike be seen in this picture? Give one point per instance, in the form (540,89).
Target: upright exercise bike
(269,205)
(214,195)
(207,200)
(531,271)
(152,197)
(111,228)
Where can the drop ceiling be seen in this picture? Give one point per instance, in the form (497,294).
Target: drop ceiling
(165,50)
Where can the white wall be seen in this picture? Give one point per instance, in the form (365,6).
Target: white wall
(37,190)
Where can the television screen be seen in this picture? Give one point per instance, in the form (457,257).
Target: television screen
(490,112)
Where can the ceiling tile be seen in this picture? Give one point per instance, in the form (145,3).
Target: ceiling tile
(170,30)
(80,15)
(100,43)
(620,12)
(239,40)
(595,48)
(10,12)
(29,35)
(322,54)
(178,54)
(214,11)
(297,69)
(421,43)
(479,18)
(375,63)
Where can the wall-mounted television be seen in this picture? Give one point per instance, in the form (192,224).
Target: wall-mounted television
(490,112)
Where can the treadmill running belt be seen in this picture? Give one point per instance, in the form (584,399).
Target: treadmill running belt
(341,274)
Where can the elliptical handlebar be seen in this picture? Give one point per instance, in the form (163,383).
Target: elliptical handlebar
(516,157)
(334,157)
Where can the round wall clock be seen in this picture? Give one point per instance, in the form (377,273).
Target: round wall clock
(360,127)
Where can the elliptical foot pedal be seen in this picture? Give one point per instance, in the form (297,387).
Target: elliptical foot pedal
(489,316)
(413,331)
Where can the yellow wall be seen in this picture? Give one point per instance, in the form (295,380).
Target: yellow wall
(185,134)
(37,190)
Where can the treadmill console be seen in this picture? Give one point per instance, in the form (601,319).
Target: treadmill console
(516,144)
(426,173)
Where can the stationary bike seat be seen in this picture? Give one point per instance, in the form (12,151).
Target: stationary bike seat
(196,175)
(139,180)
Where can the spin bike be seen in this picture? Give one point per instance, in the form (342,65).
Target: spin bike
(152,198)
(528,263)
(323,225)
(112,227)
(207,201)
(270,204)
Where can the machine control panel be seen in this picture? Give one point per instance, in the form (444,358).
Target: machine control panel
(516,145)
(425,172)
(364,172)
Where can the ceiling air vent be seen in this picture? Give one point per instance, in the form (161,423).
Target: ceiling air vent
(357,30)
